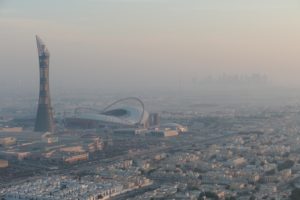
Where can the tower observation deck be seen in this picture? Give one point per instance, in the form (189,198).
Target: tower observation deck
(44,117)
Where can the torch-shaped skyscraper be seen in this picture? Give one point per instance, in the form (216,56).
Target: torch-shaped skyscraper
(44,117)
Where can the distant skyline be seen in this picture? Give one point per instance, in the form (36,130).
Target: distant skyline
(113,44)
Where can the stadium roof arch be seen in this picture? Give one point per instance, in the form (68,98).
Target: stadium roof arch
(114,114)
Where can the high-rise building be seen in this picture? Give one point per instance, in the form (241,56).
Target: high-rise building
(44,117)
(154,119)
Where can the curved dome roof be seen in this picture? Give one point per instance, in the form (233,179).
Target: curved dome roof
(116,114)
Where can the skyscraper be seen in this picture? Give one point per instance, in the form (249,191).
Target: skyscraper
(44,117)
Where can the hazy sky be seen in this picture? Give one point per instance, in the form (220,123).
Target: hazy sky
(122,43)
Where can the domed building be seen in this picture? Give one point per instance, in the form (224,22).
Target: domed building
(116,115)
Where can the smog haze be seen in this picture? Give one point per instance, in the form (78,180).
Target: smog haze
(148,44)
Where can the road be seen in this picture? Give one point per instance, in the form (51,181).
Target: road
(92,164)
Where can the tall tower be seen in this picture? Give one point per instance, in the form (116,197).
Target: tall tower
(44,117)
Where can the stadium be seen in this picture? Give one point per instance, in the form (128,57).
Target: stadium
(124,113)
